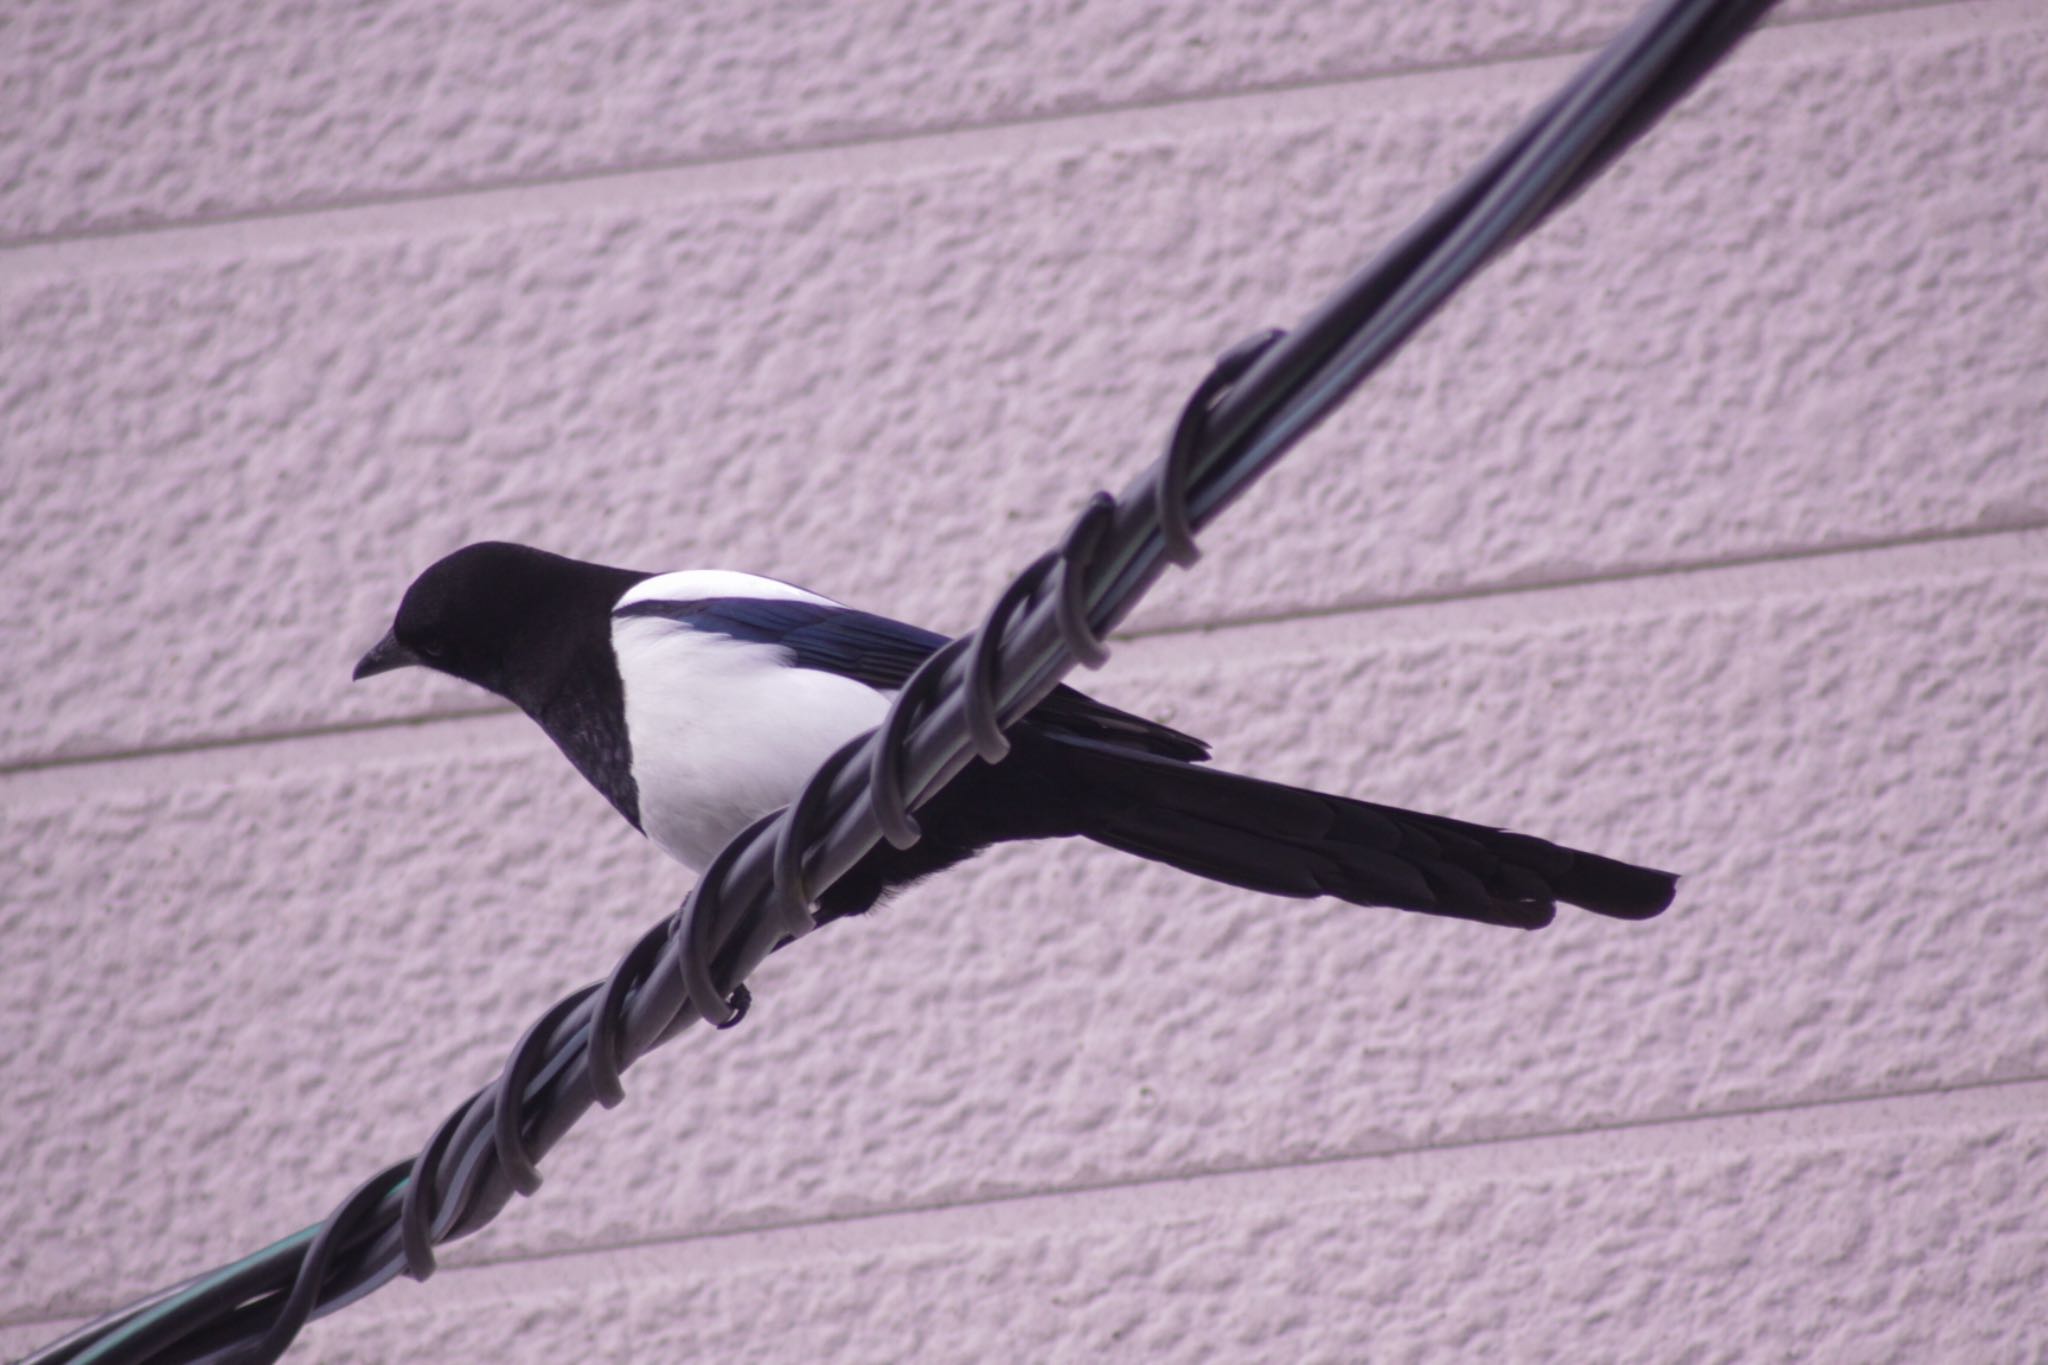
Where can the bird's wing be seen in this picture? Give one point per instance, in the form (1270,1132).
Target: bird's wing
(883,653)
(831,639)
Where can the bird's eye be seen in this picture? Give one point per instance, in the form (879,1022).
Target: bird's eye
(429,649)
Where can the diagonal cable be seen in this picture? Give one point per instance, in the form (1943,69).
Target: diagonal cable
(1259,400)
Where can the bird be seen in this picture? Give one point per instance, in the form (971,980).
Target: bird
(698,701)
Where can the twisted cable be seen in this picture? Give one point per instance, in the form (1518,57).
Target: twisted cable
(1258,400)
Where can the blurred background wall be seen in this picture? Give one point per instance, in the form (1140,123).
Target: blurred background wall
(1710,529)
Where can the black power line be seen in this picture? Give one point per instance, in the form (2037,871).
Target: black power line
(1258,401)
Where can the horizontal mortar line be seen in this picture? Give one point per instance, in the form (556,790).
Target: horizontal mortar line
(889,148)
(896,141)
(895,138)
(1600,1145)
(1620,1142)
(1668,587)
(1646,574)
(254,739)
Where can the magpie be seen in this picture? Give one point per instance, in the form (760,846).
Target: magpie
(698,701)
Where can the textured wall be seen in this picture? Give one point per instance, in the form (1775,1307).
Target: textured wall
(1709,529)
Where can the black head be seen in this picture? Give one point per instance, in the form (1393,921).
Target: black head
(515,620)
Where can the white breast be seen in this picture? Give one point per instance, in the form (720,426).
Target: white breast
(724,730)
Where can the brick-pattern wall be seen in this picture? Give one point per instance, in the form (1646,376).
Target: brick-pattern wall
(1708,529)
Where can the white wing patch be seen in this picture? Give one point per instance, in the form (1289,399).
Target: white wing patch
(701,585)
(724,730)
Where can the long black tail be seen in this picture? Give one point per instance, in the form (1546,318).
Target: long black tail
(1289,841)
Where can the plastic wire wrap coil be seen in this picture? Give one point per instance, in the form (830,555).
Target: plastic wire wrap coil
(1259,399)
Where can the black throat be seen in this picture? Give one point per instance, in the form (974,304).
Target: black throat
(561,670)
(586,719)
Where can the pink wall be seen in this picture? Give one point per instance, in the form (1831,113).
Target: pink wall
(1709,529)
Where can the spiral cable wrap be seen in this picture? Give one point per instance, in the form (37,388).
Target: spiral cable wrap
(1253,405)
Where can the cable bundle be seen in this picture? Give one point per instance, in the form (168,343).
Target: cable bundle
(1259,400)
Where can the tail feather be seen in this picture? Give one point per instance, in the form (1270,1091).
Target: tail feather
(1293,842)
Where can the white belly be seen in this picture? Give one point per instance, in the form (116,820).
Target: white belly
(724,730)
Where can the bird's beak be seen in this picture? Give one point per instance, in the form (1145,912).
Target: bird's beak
(384,656)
